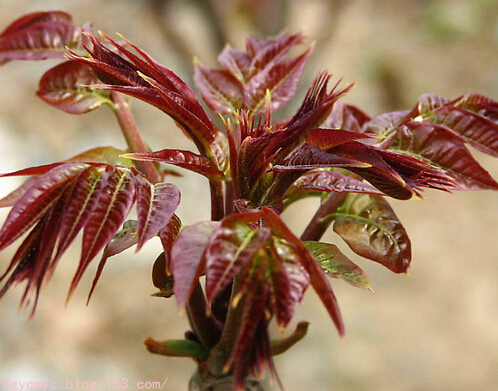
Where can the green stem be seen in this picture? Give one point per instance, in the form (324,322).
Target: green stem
(132,136)
(280,346)
(176,348)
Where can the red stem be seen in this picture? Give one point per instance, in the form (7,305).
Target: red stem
(319,223)
(132,136)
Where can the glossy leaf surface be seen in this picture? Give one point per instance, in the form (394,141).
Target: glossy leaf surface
(479,131)
(39,36)
(180,158)
(75,196)
(329,181)
(142,77)
(317,278)
(65,87)
(369,226)
(337,265)
(155,207)
(232,246)
(255,267)
(443,148)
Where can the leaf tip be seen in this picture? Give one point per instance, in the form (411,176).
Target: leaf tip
(68,297)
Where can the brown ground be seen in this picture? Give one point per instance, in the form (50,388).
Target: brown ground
(435,330)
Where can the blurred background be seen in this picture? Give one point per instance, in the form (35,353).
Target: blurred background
(433,330)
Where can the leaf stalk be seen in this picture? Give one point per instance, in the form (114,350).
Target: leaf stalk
(132,136)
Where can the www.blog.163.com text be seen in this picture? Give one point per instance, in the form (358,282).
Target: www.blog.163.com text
(76,384)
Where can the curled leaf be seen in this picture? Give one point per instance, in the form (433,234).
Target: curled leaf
(39,36)
(371,229)
(66,87)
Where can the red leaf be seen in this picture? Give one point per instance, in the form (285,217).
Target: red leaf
(37,200)
(115,201)
(158,71)
(317,104)
(242,355)
(153,83)
(346,117)
(221,91)
(386,123)
(39,271)
(232,245)
(254,157)
(329,181)
(441,147)
(66,87)
(187,258)
(427,103)
(11,198)
(169,234)
(308,157)
(155,207)
(33,171)
(181,158)
(478,104)
(39,41)
(267,52)
(478,131)
(122,240)
(317,277)
(35,18)
(329,138)
(79,207)
(162,275)
(288,281)
(23,259)
(70,196)
(396,175)
(280,79)
(188,113)
(236,62)
(108,155)
(371,229)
